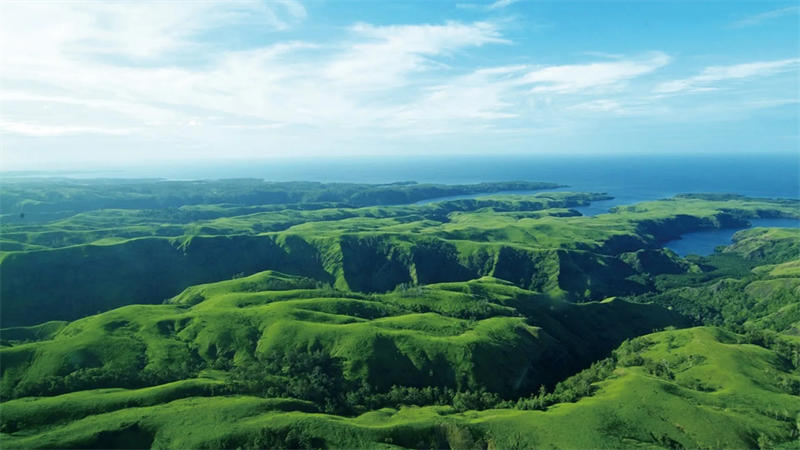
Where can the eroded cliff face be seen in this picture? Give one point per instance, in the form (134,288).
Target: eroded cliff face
(399,246)
(481,334)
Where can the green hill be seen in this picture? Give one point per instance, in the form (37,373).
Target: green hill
(239,314)
(479,335)
(689,388)
(372,250)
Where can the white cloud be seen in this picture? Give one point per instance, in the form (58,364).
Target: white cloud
(145,76)
(523,92)
(294,8)
(526,94)
(601,105)
(121,58)
(479,97)
(29,129)
(640,106)
(496,5)
(579,77)
(706,79)
(772,102)
(502,4)
(383,56)
(137,30)
(269,87)
(107,70)
(761,18)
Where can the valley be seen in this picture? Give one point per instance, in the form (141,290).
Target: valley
(239,313)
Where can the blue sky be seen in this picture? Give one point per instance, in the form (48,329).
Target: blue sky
(90,84)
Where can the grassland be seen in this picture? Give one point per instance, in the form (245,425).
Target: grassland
(717,394)
(288,316)
(535,242)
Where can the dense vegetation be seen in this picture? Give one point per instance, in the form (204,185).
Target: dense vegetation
(298,315)
(34,199)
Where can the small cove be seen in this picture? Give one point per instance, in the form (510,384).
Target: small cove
(700,243)
(703,243)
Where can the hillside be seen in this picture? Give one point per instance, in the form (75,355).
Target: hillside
(44,199)
(534,242)
(482,334)
(506,321)
(690,388)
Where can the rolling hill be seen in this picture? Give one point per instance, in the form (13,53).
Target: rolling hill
(506,321)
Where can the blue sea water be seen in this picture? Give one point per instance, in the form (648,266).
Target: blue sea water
(704,242)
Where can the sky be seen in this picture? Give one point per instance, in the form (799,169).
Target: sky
(96,83)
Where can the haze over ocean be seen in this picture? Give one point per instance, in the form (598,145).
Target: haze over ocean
(628,178)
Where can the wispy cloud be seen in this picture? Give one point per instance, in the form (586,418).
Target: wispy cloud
(137,30)
(600,105)
(479,97)
(383,55)
(176,75)
(499,4)
(35,130)
(710,76)
(67,85)
(512,92)
(759,19)
(579,77)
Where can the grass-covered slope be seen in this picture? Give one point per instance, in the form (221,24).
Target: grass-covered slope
(480,335)
(694,388)
(766,245)
(688,388)
(752,284)
(226,219)
(288,316)
(523,240)
(38,199)
(72,282)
